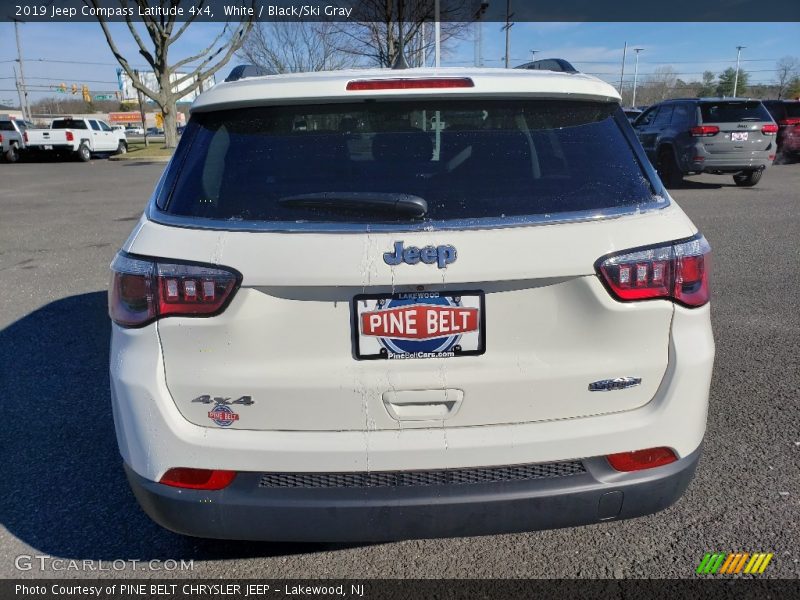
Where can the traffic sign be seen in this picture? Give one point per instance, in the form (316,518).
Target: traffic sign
(104,97)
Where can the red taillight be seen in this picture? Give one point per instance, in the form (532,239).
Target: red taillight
(25,137)
(198,479)
(790,121)
(704,130)
(640,460)
(410,84)
(770,129)
(1,138)
(143,290)
(677,271)
(70,136)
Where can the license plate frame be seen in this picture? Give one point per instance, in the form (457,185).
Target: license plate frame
(447,304)
(739,136)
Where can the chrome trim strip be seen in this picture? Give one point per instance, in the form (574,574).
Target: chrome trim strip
(157,216)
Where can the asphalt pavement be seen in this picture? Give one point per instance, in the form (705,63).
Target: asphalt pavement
(65,495)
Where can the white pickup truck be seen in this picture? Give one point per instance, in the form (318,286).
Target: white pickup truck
(77,137)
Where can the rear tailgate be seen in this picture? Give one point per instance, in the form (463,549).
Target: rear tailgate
(740,123)
(40,138)
(535,325)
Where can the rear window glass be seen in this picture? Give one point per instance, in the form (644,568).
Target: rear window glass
(6,126)
(68,124)
(733,112)
(466,159)
(792,109)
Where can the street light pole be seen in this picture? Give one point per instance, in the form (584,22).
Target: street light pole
(635,76)
(533,55)
(736,78)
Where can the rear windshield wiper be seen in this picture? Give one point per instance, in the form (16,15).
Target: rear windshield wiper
(381,201)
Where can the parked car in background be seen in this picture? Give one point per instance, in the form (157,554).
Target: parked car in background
(708,135)
(507,319)
(155,131)
(134,130)
(77,137)
(787,115)
(12,137)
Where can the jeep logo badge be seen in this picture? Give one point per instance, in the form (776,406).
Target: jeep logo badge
(441,255)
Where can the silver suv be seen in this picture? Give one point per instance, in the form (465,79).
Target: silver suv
(708,135)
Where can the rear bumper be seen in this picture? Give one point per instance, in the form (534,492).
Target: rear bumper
(246,511)
(731,163)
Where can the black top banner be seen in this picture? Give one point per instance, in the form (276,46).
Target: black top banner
(745,11)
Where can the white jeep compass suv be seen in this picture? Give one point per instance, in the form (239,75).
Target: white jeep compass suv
(387,304)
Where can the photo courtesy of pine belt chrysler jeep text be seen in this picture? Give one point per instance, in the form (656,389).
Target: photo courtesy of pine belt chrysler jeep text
(387,304)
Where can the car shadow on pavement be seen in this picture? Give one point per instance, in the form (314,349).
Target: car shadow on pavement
(65,491)
(689,184)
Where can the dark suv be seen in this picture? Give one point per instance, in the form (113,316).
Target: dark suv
(787,115)
(708,135)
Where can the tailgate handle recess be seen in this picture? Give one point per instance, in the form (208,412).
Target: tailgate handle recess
(423,405)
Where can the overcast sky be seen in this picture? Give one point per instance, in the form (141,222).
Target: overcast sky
(690,48)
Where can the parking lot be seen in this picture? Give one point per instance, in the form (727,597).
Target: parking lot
(66,494)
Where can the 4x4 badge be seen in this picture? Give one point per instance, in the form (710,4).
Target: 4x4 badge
(206,399)
(441,255)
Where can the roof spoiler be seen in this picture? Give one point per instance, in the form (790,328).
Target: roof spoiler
(549,64)
(247,71)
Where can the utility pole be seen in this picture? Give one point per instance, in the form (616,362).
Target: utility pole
(635,76)
(736,78)
(437,35)
(479,33)
(533,55)
(23,104)
(507,28)
(622,73)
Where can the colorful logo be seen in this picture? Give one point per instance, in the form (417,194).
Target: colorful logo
(223,415)
(731,563)
(411,325)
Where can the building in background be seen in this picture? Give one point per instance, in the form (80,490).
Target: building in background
(148,78)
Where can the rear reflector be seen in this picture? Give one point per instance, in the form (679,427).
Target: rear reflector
(676,271)
(770,129)
(704,130)
(641,459)
(410,84)
(143,290)
(198,479)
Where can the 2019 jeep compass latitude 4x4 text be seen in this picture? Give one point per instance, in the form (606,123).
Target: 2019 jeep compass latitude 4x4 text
(375,305)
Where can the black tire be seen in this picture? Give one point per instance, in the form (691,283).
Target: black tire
(12,154)
(84,154)
(668,169)
(747,178)
(122,148)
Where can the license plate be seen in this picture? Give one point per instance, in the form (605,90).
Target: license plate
(418,325)
(739,136)
(48,147)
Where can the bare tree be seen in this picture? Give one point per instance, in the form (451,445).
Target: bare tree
(184,76)
(297,46)
(373,34)
(787,68)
